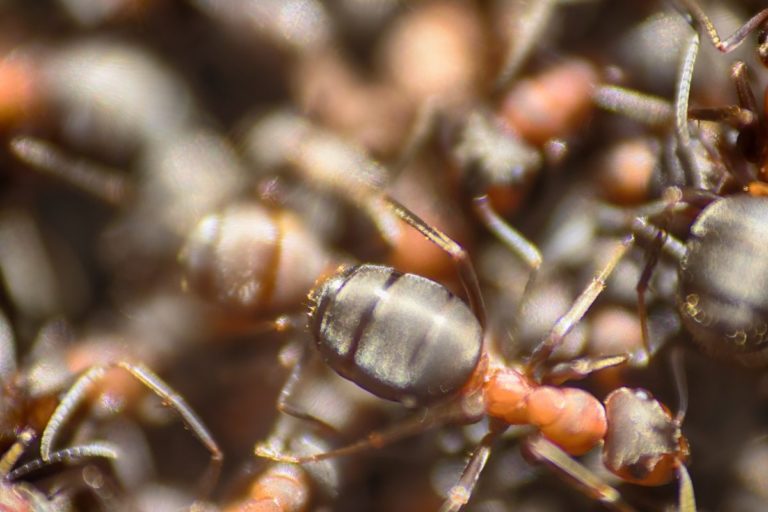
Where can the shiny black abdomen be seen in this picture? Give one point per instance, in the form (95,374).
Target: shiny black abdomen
(400,336)
(723,290)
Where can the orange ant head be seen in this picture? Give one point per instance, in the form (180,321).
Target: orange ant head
(569,417)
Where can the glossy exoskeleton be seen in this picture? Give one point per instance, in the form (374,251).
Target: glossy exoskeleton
(408,339)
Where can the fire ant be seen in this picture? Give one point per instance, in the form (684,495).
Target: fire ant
(441,360)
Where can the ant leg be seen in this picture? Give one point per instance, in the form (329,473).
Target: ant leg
(458,254)
(79,390)
(686,500)
(513,239)
(683,149)
(649,110)
(652,259)
(296,379)
(686,496)
(107,184)
(93,450)
(578,309)
(662,242)
(8,358)
(731,43)
(527,31)
(448,412)
(581,368)
(681,385)
(422,128)
(459,494)
(743,117)
(14,453)
(541,450)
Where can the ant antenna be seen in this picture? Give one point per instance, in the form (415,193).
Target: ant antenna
(97,449)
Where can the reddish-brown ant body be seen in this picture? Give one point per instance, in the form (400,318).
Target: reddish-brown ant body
(407,339)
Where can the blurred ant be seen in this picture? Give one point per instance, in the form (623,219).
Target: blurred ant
(337,409)
(34,410)
(253,259)
(441,362)
(746,118)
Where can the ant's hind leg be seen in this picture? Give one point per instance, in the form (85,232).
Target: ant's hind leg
(523,248)
(451,411)
(459,494)
(543,451)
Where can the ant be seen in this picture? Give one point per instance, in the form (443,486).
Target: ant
(719,296)
(25,409)
(408,339)
(245,257)
(339,408)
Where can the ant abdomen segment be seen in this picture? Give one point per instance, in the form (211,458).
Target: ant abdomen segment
(435,344)
(408,339)
(253,259)
(721,298)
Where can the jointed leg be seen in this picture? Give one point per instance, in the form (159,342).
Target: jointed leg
(11,457)
(73,453)
(79,390)
(107,184)
(449,412)
(652,111)
(514,240)
(459,494)
(684,149)
(306,363)
(561,463)
(578,309)
(731,43)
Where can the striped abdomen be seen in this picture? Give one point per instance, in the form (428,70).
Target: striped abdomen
(400,336)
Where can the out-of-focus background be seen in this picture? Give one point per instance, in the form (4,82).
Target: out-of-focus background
(176,175)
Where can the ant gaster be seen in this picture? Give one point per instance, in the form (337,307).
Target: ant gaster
(720,297)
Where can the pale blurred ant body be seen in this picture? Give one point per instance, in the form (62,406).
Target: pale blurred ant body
(251,258)
(408,339)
